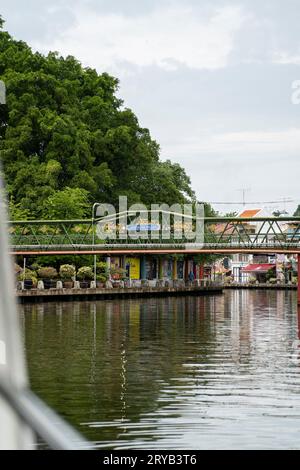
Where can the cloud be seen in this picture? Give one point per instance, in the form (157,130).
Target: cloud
(166,37)
(238,145)
(285,58)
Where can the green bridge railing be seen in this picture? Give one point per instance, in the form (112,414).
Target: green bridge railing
(218,232)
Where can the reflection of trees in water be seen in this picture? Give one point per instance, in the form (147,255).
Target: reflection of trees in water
(102,362)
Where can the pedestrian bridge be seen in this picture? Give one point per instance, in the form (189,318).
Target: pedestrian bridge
(219,235)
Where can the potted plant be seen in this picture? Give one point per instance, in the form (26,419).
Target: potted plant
(48,274)
(102,274)
(67,273)
(101,280)
(85,274)
(228,280)
(29,278)
(294,280)
(118,274)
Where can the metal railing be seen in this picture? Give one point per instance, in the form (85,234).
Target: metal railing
(44,422)
(219,233)
(21,412)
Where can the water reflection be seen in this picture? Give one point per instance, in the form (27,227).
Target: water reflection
(186,372)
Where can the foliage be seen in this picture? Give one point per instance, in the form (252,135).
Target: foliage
(28,275)
(297,212)
(66,140)
(47,273)
(101,278)
(101,268)
(16,212)
(118,273)
(270,274)
(231,214)
(70,203)
(228,280)
(85,273)
(67,271)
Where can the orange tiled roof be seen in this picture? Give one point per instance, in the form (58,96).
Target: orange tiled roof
(250,213)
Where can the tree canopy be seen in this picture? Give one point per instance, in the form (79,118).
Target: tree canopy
(297,212)
(64,133)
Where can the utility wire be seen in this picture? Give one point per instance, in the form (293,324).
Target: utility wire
(252,202)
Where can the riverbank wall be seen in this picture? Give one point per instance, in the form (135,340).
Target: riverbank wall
(261,286)
(48,295)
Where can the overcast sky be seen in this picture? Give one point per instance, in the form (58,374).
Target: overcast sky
(211,79)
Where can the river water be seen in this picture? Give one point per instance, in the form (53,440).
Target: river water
(171,373)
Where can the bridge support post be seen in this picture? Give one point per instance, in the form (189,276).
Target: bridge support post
(174,269)
(160,268)
(108,264)
(186,269)
(298,279)
(143,267)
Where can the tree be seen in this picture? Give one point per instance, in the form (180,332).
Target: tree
(70,203)
(16,212)
(64,127)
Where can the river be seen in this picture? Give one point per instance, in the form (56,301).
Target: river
(216,372)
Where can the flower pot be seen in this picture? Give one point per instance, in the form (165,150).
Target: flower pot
(84,284)
(68,284)
(47,283)
(100,285)
(28,284)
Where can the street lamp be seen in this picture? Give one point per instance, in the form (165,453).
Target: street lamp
(95,205)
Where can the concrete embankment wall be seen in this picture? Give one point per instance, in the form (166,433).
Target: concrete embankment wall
(35,295)
(262,286)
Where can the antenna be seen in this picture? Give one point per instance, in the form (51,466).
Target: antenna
(244,191)
(284,200)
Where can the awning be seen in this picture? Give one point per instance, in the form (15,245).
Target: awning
(258,268)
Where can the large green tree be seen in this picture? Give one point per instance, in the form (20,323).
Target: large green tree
(65,127)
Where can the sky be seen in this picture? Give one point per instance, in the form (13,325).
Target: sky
(215,81)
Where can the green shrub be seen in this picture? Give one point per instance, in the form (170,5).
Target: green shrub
(101,268)
(102,278)
(29,275)
(35,267)
(47,273)
(67,271)
(85,273)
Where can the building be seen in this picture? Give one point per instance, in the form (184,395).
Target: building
(244,266)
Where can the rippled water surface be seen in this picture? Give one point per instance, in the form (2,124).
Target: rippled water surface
(173,373)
